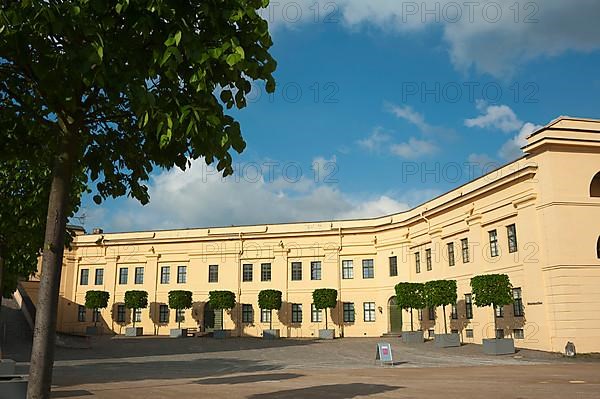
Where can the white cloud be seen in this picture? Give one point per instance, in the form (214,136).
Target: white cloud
(497,116)
(375,141)
(416,118)
(414,149)
(493,37)
(512,148)
(195,198)
(503,118)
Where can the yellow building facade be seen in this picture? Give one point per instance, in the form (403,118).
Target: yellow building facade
(536,220)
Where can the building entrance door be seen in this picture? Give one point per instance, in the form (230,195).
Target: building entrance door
(395,316)
(213,319)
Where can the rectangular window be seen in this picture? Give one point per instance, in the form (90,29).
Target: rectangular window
(81,313)
(464,245)
(137,316)
(431,333)
(96,315)
(165,275)
(265,272)
(84,277)
(123,274)
(368,268)
(348,312)
(493,243)
(393,266)
(180,315)
(315,270)
(247,272)
(347,269)
(451,261)
(265,316)
(296,271)
(518,303)
(181,274)
(454,312)
(468,306)
(499,333)
(518,333)
(163,314)
(420,314)
(431,313)
(499,311)
(369,311)
(454,331)
(120,313)
(99,278)
(296,313)
(469,333)
(213,273)
(247,313)
(428,259)
(417,262)
(139,275)
(511,232)
(316,316)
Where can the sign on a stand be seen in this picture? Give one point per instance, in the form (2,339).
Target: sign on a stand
(384,353)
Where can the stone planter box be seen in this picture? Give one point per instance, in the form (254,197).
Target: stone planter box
(447,340)
(412,337)
(326,334)
(92,330)
(178,333)
(7,367)
(134,331)
(13,386)
(271,334)
(504,346)
(221,334)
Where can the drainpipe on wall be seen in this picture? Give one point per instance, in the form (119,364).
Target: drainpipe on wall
(339,270)
(239,282)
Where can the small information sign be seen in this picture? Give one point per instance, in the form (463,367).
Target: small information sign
(384,353)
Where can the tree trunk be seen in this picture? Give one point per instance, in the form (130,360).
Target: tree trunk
(178,320)
(445,323)
(411,321)
(326,319)
(44,336)
(134,317)
(270,319)
(95,317)
(495,327)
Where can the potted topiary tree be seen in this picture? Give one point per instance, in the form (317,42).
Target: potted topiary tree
(270,300)
(179,300)
(135,300)
(325,298)
(442,293)
(410,296)
(493,290)
(95,300)
(220,300)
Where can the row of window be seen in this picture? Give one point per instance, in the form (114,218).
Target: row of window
(316,315)
(511,232)
(165,275)
(518,310)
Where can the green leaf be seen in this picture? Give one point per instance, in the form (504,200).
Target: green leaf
(233,59)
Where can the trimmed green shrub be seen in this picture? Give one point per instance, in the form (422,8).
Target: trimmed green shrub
(180,300)
(325,298)
(271,300)
(221,300)
(136,300)
(410,296)
(96,300)
(440,293)
(491,290)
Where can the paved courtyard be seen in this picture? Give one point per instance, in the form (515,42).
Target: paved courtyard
(156,367)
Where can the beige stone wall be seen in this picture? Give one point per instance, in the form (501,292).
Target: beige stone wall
(545,194)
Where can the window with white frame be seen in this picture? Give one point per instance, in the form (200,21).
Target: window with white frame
(369,311)
(315,270)
(349,314)
(181,274)
(316,316)
(347,269)
(247,272)
(296,271)
(265,272)
(165,274)
(493,243)
(296,313)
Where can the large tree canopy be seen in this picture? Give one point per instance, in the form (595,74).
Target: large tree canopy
(113,89)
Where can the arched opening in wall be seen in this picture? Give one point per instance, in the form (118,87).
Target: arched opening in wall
(595,186)
(598,248)
(395,316)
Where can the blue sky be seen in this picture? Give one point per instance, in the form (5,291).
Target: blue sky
(380,107)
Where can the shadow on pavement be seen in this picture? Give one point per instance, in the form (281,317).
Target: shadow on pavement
(335,391)
(107,372)
(249,379)
(71,394)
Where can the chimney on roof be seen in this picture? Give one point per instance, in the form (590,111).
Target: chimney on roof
(97,230)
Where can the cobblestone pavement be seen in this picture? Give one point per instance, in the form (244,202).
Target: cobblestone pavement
(118,367)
